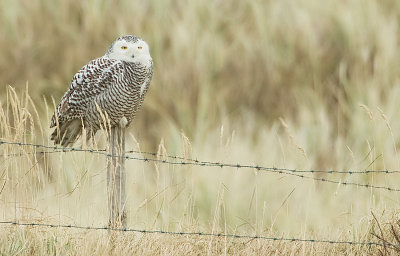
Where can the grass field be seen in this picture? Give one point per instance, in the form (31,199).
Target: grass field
(305,85)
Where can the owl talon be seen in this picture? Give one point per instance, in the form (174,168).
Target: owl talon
(123,122)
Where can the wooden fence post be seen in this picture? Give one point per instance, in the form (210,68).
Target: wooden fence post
(116,179)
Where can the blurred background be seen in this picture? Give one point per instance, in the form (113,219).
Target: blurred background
(304,84)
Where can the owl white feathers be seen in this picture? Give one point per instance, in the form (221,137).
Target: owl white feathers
(113,85)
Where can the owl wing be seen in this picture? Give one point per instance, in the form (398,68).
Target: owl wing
(92,80)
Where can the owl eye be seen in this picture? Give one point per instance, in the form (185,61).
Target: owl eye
(124,47)
(139,47)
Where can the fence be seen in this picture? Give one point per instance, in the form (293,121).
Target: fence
(175,160)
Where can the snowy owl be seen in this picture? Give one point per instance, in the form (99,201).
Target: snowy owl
(113,85)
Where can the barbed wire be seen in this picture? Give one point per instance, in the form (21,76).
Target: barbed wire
(56,149)
(217,164)
(191,162)
(234,236)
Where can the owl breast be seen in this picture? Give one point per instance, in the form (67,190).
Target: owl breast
(125,96)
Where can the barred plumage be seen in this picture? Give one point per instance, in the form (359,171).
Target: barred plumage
(116,83)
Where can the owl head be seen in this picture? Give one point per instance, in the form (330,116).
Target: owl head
(130,49)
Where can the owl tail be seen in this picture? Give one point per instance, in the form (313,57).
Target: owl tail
(67,133)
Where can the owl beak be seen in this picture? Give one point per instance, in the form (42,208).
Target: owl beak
(133,56)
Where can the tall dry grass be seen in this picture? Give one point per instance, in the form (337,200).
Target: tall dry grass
(298,84)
